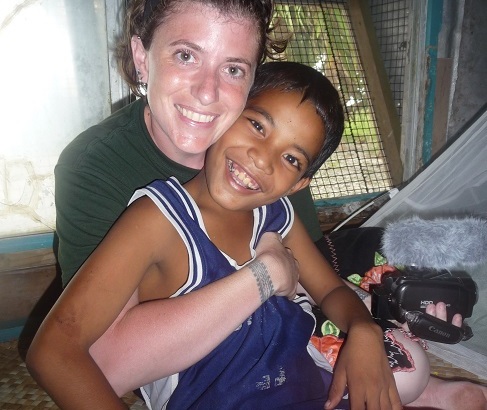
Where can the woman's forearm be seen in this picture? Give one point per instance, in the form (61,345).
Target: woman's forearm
(149,341)
(162,337)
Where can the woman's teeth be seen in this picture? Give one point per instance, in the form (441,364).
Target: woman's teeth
(194,116)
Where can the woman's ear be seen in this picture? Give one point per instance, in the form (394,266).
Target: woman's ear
(302,183)
(139,54)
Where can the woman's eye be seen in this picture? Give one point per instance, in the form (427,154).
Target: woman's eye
(185,56)
(293,161)
(257,126)
(235,71)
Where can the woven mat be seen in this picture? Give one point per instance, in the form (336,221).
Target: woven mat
(446,370)
(19,391)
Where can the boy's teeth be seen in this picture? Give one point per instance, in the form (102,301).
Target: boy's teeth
(242,177)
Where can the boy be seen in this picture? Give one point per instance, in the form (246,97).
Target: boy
(283,136)
(292,123)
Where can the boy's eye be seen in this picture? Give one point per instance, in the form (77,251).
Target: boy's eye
(257,125)
(235,71)
(293,161)
(185,56)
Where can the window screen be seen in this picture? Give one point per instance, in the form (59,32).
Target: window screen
(321,36)
(390,19)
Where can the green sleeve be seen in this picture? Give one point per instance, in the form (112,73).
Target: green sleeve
(87,205)
(304,207)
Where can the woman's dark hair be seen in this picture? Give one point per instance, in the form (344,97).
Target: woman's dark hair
(317,89)
(143,17)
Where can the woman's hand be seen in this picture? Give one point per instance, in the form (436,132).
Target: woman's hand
(439,311)
(281,268)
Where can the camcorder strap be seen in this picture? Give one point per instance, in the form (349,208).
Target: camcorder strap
(431,328)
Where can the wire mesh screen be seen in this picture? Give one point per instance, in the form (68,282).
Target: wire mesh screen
(322,37)
(390,18)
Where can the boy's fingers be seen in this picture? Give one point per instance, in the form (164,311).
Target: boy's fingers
(395,400)
(335,393)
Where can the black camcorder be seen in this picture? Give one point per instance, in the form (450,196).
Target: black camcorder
(404,294)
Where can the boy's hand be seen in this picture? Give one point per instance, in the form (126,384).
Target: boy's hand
(282,268)
(363,367)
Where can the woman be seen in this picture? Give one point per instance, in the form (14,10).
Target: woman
(196,72)
(198,59)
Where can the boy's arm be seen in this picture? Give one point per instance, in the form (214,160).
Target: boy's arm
(59,356)
(369,385)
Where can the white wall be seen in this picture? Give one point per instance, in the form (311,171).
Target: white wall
(55,83)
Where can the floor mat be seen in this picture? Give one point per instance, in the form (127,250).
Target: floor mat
(19,391)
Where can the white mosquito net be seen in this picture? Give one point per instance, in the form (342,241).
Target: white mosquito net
(453,185)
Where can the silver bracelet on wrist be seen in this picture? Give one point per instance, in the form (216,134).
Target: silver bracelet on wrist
(261,275)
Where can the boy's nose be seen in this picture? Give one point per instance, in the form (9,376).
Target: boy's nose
(262,158)
(205,89)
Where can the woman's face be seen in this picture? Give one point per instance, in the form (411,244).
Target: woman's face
(199,70)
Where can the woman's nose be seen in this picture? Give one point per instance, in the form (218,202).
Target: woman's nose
(206,87)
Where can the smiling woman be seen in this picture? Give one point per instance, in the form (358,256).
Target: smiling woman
(207,79)
(195,83)
(100,169)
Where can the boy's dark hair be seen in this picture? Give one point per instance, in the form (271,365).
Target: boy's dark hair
(317,89)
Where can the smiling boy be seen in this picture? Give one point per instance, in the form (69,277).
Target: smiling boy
(173,239)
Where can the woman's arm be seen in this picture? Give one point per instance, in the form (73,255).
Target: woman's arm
(59,356)
(162,337)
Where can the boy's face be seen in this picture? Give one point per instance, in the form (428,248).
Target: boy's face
(264,155)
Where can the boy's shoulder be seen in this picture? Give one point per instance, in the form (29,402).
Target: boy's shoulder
(277,216)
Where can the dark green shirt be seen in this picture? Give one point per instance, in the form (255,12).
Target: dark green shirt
(98,172)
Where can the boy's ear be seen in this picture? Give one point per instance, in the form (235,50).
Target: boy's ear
(302,183)
(139,54)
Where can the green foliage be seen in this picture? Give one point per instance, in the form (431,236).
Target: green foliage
(360,127)
(321,37)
